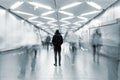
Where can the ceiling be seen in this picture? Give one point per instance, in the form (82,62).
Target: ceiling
(66,15)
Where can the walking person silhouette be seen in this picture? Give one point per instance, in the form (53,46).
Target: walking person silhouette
(57,41)
(48,38)
(97,44)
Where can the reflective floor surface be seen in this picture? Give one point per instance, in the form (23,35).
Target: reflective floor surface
(19,65)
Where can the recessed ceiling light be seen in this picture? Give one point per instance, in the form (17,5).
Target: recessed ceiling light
(47,13)
(24,13)
(84,19)
(33,18)
(67,22)
(77,23)
(39,22)
(89,13)
(93,4)
(70,5)
(17,4)
(49,18)
(64,26)
(49,22)
(66,18)
(52,21)
(40,5)
(52,24)
(66,13)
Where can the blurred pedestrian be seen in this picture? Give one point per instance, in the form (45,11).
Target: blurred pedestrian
(48,39)
(96,43)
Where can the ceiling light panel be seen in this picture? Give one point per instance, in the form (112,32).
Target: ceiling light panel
(70,5)
(39,22)
(66,18)
(31,18)
(93,4)
(47,13)
(49,22)
(67,22)
(66,13)
(64,26)
(40,5)
(89,13)
(77,24)
(16,5)
(24,13)
(83,18)
(49,18)
(52,24)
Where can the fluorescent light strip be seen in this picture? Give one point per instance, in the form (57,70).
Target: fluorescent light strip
(77,24)
(66,13)
(66,18)
(67,22)
(53,24)
(40,5)
(50,22)
(33,18)
(16,5)
(89,13)
(64,24)
(48,18)
(47,13)
(39,22)
(83,18)
(24,13)
(93,4)
(70,5)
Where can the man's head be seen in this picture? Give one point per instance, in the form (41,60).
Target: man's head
(57,32)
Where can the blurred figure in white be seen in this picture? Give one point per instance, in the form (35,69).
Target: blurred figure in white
(96,43)
(73,39)
(65,48)
(66,51)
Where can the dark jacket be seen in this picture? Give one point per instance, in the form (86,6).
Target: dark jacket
(57,39)
(48,39)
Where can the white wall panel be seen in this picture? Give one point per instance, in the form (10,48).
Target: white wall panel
(14,32)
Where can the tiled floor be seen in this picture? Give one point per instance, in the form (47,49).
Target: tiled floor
(23,66)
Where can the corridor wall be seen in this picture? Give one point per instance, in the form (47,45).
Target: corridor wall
(110,37)
(112,32)
(110,16)
(15,32)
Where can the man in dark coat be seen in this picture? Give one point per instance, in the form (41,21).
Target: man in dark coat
(57,41)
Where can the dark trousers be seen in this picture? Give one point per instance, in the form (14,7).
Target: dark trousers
(47,44)
(74,52)
(96,51)
(57,51)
